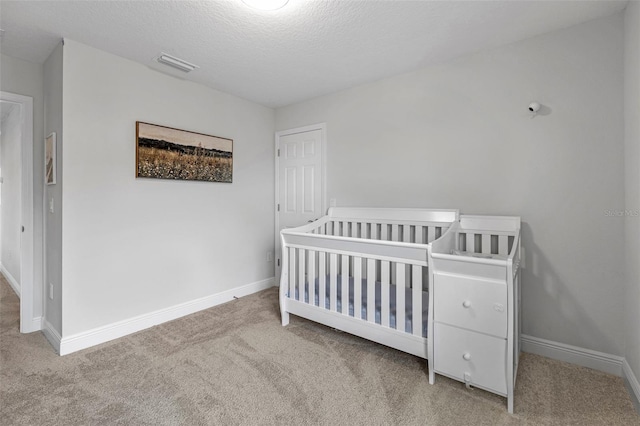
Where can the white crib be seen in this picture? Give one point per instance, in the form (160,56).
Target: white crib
(427,282)
(382,250)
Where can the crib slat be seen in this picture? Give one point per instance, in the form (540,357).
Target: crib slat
(301,271)
(322,280)
(357,287)
(416,299)
(486,243)
(333,277)
(354,230)
(311,276)
(374,231)
(471,242)
(400,296)
(344,295)
(371,290)
(384,232)
(419,234)
(431,234)
(503,245)
(384,297)
(395,232)
(406,233)
(292,273)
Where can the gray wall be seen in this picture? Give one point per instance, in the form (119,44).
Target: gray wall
(25,78)
(632,184)
(53,85)
(134,246)
(459,135)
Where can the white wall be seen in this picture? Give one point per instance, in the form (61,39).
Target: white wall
(459,135)
(53,69)
(10,170)
(26,78)
(132,246)
(632,184)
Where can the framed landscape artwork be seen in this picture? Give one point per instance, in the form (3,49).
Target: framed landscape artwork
(168,153)
(50,159)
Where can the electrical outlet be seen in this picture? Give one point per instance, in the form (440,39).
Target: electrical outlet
(269,256)
(50,291)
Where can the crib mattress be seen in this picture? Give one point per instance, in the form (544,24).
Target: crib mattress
(408,326)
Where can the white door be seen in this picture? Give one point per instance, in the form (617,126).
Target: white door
(30,292)
(300,180)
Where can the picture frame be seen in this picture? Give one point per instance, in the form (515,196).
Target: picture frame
(167,153)
(50,169)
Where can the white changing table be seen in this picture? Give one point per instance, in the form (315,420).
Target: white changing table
(474,314)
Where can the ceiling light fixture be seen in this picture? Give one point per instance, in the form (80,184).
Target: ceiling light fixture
(176,63)
(266,4)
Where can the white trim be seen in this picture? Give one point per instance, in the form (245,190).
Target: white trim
(51,334)
(15,285)
(122,328)
(26,211)
(323,140)
(36,323)
(632,383)
(600,361)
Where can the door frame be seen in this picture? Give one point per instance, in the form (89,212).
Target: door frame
(27,322)
(323,183)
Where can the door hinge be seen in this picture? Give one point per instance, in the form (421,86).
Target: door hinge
(278,207)
(278,152)
(278,262)
(23,229)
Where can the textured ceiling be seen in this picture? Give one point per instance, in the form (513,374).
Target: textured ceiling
(306,49)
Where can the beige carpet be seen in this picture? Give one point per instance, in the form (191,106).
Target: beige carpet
(235,364)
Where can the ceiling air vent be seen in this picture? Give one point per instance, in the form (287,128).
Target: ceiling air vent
(176,63)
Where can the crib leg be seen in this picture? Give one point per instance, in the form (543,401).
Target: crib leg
(285,318)
(432,376)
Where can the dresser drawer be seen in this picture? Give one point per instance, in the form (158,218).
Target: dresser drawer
(472,303)
(475,358)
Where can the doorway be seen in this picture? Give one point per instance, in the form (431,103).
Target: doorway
(16,202)
(300,180)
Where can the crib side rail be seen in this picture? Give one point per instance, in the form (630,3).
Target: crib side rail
(328,273)
(393,251)
(395,214)
(385,230)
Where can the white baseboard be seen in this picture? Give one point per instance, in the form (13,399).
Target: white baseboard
(12,281)
(113,331)
(600,361)
(51,334)
(632,384)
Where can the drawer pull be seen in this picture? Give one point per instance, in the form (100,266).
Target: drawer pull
(466,304)
(466,356)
